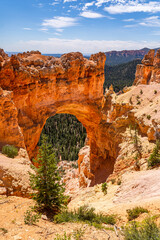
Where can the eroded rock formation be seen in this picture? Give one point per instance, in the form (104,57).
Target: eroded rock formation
(43,86)
(149,71)
(14,177)
(36,87)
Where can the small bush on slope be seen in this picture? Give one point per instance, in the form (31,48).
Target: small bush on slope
(104,188)
(84,214)
(148,230)
(154,159)
(30,218)
(10,151)
(135,212)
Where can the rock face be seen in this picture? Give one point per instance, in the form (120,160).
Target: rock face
(149,71)
(36,87)
(14,177)
(10,132)
(43,86)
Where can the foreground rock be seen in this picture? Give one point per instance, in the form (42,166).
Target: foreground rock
(14,177)
(136,189)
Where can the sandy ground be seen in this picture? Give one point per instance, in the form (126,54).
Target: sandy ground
(137,189)
(12,211)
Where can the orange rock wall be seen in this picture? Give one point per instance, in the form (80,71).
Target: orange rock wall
(149,70)
(36,87)
(10,132)
(43,86)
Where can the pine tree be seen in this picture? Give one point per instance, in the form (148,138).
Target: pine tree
(49,194)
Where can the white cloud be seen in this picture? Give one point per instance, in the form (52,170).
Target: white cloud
(59,30)
(87,5)
(133,6)
(28,29)
(54,3)
(43,29)
(69,1)
(100,2)
(153,21)
(131,25)
(109,17)
(75,7)
(57,45)
(129,20)
(90,14)
(58,34)
(59,22)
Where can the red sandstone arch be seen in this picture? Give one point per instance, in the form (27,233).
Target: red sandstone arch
(44,86)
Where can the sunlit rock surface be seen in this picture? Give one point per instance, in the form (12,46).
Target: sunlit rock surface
(35,87)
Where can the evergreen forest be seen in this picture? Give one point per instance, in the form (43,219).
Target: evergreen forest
(120,75)
(66,134)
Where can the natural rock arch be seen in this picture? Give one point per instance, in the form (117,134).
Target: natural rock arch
(44,86)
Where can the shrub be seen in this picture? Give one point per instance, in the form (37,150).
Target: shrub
(85,214)
(10,151)
(66,216)
(30,218)
(78,234)
(64,237)
(104,188)
(148,230)
(119,182)
(4,230)
(148,117)
(113,180)
(135,212)
(49,191)
(130,100)
(141,92)
(155,91)
(137,97)
(136,141)
(154,159)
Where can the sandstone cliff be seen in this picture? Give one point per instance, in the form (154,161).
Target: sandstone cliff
(43,86)
(149,71)
(36,87)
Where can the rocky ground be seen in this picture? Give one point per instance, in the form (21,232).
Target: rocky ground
(137,188)
(12,220)
(134,114)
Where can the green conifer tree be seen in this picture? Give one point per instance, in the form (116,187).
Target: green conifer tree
(49,192)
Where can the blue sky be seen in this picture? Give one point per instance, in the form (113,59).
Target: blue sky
(58,26)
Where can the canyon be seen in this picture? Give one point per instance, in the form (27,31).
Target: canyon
(35,87)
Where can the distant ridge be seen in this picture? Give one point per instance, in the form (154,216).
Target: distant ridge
(119,57)
(112,57)
(57,55)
